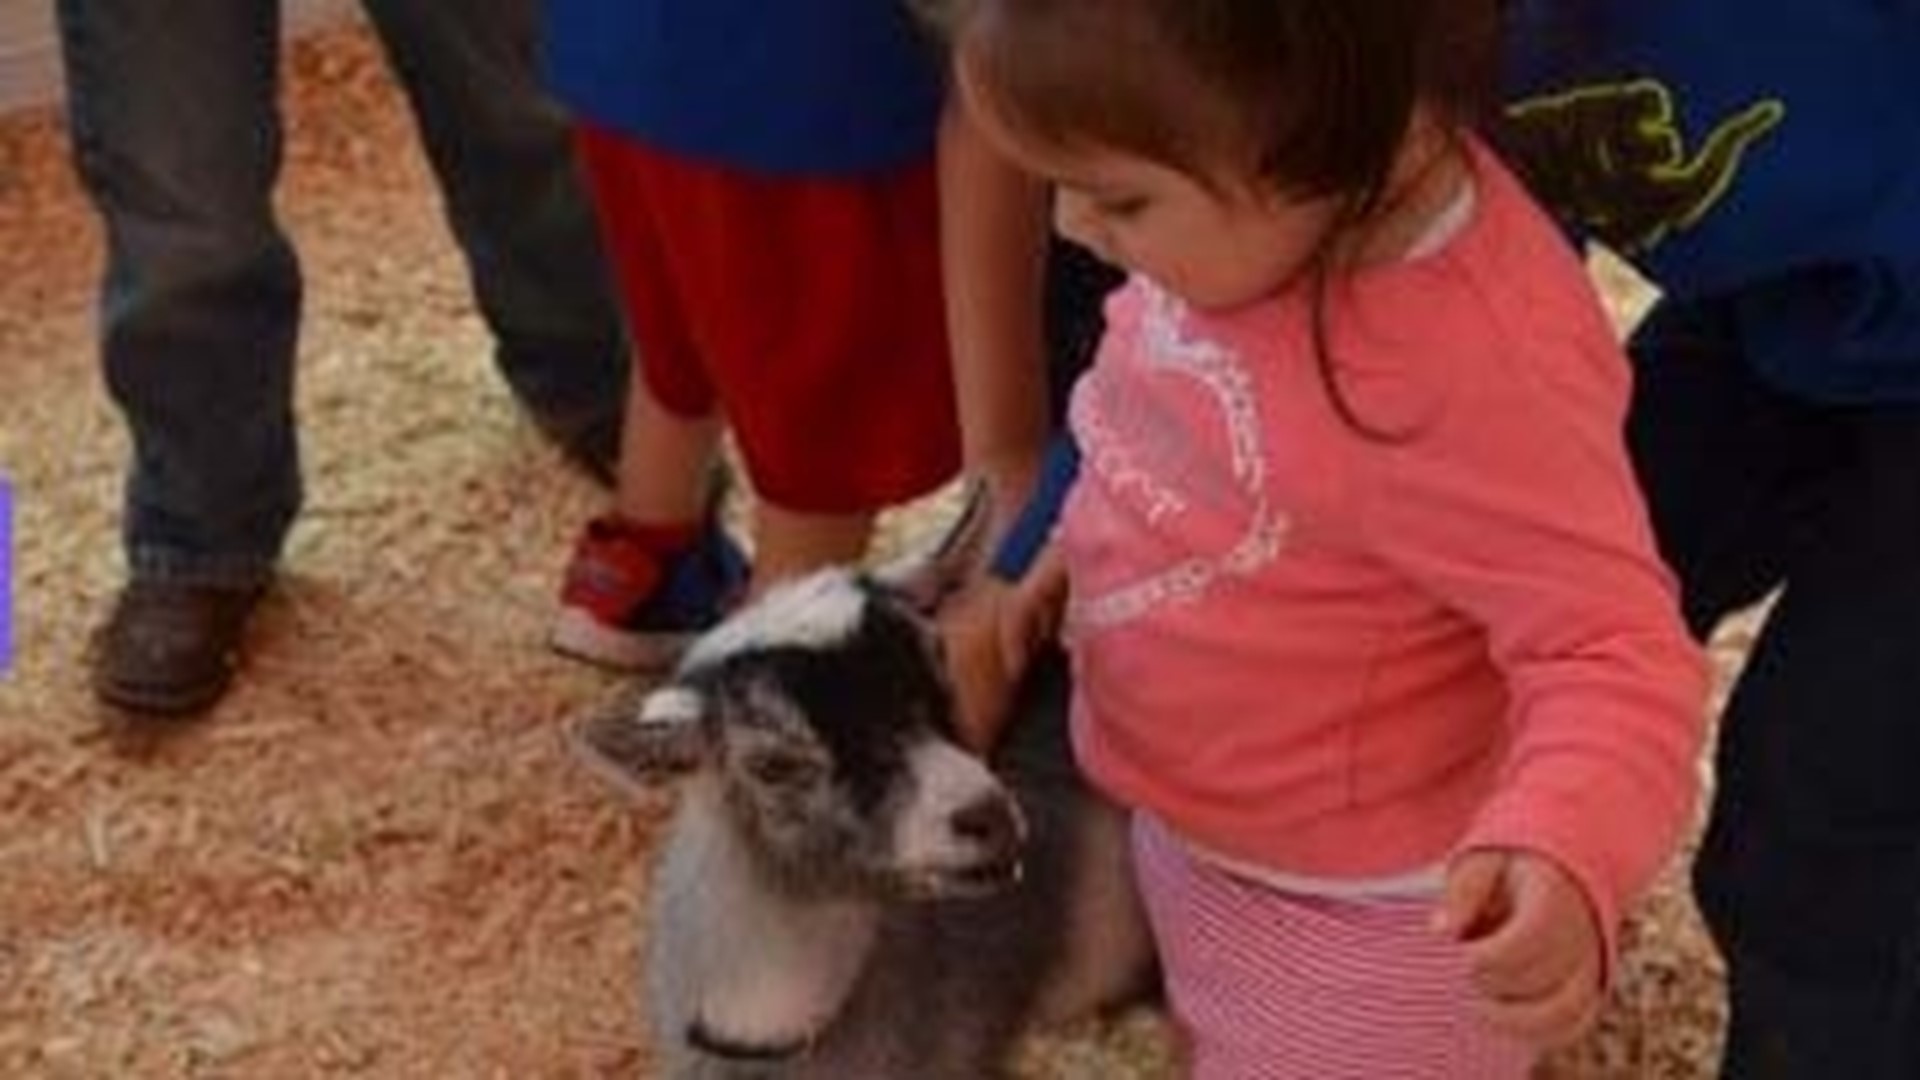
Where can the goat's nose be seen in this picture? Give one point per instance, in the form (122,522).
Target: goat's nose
(990,822)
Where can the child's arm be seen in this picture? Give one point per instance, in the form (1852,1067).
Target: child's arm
(992,631)
(1517,506)
(993,235)
(993,223)
(993,628)
(1534,950)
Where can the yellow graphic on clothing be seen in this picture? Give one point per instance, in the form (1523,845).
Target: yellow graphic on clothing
(1612,160)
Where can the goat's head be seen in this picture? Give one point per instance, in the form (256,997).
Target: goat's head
(823,715)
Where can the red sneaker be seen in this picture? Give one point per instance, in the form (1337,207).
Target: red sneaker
(634,596)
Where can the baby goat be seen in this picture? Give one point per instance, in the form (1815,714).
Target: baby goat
(846,893)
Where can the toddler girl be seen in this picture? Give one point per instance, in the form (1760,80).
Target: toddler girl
(1365,617)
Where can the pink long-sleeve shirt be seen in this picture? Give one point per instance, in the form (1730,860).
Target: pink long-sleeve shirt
(1344,657)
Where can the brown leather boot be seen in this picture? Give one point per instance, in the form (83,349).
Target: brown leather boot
(169,648)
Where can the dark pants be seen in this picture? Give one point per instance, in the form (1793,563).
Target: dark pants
(1809,876)
(177,137)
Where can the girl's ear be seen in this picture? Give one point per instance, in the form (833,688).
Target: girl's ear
(928,572)
(664,735)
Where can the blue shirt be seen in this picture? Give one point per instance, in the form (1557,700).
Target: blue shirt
(807,87)
(1767,152)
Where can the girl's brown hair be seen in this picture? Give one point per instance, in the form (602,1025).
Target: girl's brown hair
(1311,97)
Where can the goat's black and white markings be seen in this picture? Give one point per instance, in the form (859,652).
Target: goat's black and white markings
(790,934)
(961,832)
(834,675)
(817,611)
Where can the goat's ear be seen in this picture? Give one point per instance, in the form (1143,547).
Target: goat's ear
(927,573)
(663,735)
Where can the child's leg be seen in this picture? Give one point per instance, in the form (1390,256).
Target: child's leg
(656,570)
(665,461)
(1270,986)
(825,340)
(671,430)
(808,312)
(788,542)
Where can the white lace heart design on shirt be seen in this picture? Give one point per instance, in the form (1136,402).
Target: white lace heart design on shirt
(1164,346)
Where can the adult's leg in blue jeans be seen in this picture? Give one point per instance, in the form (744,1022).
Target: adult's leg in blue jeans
(1809,876)
(177,141)
(503,153)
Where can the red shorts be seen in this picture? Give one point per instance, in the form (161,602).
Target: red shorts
(807,311)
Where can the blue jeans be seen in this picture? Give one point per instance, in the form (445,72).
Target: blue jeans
(1809,875)
(177,138)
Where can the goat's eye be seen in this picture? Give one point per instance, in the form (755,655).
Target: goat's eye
(784,770)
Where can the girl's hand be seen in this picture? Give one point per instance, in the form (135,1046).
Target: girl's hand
(1533,949)
(1030,618)
(991,630)
(969,624)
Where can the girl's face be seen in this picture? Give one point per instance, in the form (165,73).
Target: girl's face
(1215,246)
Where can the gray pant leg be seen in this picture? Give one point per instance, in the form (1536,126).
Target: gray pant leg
(503,153)
(177,141)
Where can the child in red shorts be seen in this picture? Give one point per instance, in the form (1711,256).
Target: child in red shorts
(765,182)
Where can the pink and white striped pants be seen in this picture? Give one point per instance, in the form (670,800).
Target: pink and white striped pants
(1270,985)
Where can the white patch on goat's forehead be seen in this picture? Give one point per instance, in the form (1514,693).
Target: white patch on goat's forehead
(671,705)
(820,610)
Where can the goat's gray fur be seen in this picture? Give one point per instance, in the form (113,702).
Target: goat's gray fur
(804,911)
